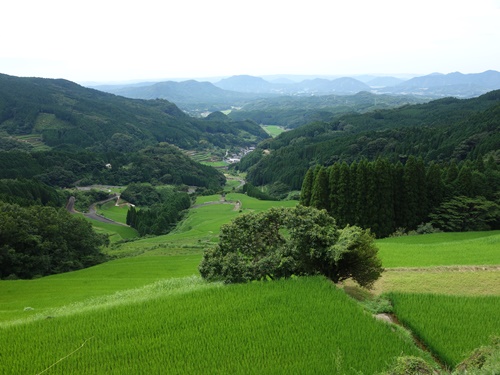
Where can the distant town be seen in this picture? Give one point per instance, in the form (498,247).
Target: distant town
(236,157)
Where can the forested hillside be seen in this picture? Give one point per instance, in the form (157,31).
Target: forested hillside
(61,134)
(440,131)
(294,111)
(61,112)
(191,96)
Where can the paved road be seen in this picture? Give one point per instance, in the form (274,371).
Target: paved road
(92,214)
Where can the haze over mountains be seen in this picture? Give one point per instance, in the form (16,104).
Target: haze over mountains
(433,86)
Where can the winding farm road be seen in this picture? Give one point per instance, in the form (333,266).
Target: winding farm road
(92,214)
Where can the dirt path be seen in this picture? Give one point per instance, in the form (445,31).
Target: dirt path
(237,204)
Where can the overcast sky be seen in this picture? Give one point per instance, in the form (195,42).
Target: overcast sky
(111,40)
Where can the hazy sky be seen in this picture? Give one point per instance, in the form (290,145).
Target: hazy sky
(111,40)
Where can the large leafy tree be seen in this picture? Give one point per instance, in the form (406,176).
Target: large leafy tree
(282,242)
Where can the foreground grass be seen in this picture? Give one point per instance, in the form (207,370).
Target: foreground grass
(297,326)
(45,294)
(450,326)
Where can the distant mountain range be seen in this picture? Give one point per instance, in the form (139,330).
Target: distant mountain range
(453,84)
(190,95)
(317,86)
(235,91)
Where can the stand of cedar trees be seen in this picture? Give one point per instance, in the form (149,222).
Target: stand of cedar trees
(386,197)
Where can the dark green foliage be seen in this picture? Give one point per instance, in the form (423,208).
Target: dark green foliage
(255,192)
(161,208)
(384,196)
(28,192)
(319,194)
(414,203)
(162,163)
(283,242)
(440,131)
(141,194)
(85,198)
(295,111)
(306,191)
(462,214)
(18,164)
(40,241)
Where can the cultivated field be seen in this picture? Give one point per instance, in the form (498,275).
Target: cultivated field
(450,326)
(149,311)
(186,326)
(273,130)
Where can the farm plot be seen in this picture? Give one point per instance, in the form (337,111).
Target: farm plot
(450,326)
(295,326)
(441,249)
(26,299)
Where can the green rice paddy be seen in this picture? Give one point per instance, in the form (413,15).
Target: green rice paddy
(273,130)
(441,249)
(450,326)
(295,326)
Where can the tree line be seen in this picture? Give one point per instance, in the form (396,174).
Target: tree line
(160,164)
(161,208)
(43,240)
(385,196)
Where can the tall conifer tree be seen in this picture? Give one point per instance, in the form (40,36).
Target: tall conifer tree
(345,195)
(319,193)
(307,184)
(333,188)
(384,218)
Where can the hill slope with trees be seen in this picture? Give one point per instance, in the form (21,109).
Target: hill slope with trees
(62,112)
(294,111)
(441,130)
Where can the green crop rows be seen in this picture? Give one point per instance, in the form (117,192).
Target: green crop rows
(297,326)
(451,326)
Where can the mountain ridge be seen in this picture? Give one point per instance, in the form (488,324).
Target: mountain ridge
(239,89)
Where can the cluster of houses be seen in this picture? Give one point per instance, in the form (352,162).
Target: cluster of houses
(235,158)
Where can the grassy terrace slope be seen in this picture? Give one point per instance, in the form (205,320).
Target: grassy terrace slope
(201,226)
(446,263)
(284,327)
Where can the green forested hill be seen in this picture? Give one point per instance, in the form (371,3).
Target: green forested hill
(294,111)
(62,112)
(61,133)
(440,130)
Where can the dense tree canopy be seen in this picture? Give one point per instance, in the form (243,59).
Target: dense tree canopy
(162,164)
(385,196)
(282,242)
(62,112)
(40,241)
(161,208)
